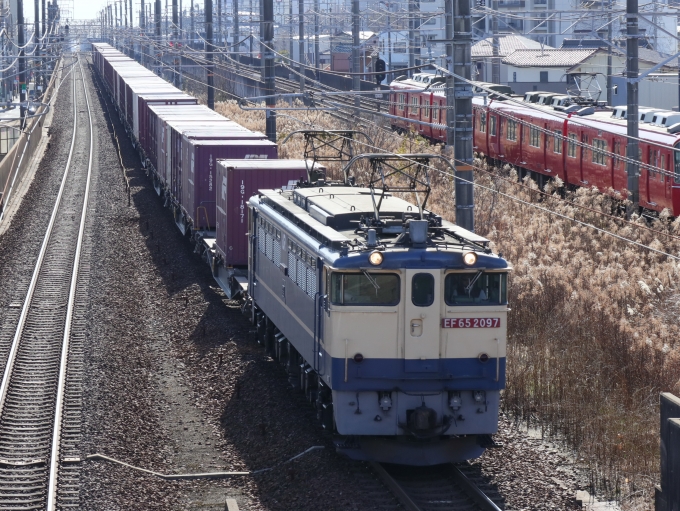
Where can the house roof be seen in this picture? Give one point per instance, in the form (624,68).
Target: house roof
(548,57)
(507,44)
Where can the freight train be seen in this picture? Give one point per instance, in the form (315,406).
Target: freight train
(542,135)
(391,320)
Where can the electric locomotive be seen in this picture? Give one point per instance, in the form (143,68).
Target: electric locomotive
(392,320)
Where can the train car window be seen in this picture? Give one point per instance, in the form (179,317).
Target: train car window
(482,122)
(571,146)
(435,112)
(663,168)
(534,137)
(380,289)
(414,105)
(402,101)
(476,288)
(599,148)
(557,142)
(676,161)
(617,152)
(426,107)
(422,289)
(512,130)
(492,125)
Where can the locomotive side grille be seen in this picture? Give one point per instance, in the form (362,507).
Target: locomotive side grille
(269,247)
(311,282)
(277,252)
(301,275)
(260,240)
(292,267)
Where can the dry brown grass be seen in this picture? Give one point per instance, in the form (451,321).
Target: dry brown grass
(593,336)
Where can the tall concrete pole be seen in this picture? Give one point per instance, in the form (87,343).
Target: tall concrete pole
(157,44)
(237,33)
(356,47)
(210,68)
(126,13)
(610,90)
(290,29)
(193,28)
(269,74)
(316,37)
(142,30)
(36,29)
(459,96)
(301,42)
(414,33)
(22,60)
(496,62)
(175,39)
(632,149)
(219,22)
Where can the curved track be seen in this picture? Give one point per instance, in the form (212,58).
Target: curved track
(33,395)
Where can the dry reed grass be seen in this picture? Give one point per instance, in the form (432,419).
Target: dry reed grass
(593,336)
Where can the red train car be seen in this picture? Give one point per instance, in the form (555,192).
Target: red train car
(583,146)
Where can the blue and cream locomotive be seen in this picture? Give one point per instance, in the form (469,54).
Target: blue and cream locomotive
(392,320)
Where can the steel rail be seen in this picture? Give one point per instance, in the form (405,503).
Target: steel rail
(56,434)
(459,484)
(33,383)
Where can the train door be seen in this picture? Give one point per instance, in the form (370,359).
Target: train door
(645,157)
(675,184)
(422,321)
(582,159)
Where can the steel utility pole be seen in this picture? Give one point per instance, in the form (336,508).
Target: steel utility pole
(269,75)
(632,149)
(301,42)
(210,68)
(459,106)
(496,62)
(356,46)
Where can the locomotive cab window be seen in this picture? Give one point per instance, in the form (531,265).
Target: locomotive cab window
(422,289)
(476,288)
(365,288)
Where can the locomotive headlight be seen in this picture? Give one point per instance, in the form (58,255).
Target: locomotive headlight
(385,401)
(478,396)
(470,258)
(376,258)
(455,401)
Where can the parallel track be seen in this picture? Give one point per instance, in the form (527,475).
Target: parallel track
(33,394)
(438,488)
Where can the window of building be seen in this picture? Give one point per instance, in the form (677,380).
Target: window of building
(422,289)
(599,148)
(364,289)
(534,137)
(512,130)
(571,146)
(482,122)
(492,125)
(544,77)
(414,105)
(475,288)
(557,142)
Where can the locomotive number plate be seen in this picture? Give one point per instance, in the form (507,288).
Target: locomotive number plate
(471,322)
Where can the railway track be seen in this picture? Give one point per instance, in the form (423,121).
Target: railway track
(39,412)
(439,488)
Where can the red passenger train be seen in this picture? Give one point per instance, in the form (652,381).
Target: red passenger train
(583,146)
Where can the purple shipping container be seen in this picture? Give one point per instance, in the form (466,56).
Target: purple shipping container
(237,181)
(197,179)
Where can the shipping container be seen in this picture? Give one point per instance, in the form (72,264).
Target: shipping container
(196,182)
(145,99)
(237,181)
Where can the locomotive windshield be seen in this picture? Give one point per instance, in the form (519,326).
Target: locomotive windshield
(365,288)
(476,288)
